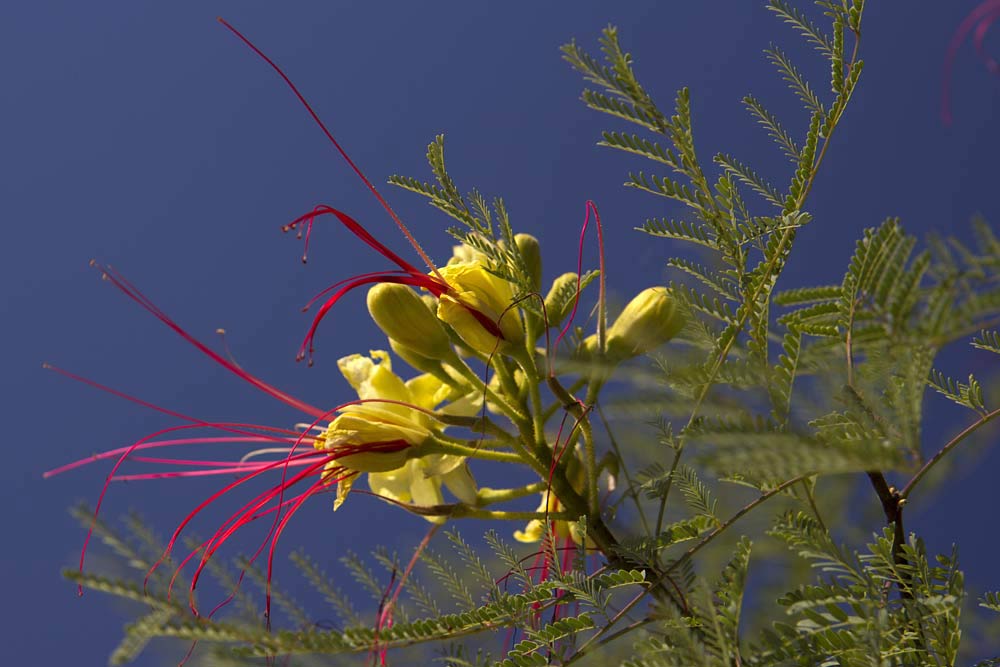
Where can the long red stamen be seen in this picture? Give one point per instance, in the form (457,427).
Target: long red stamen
(104,491)
(254,504)
(385,614)
(331,455)
(225,426)
(590,207)
(307,348)
(336,144)
(340,283)
(979,40)
(223,468)
(250,511)
(130,291)
(273,533)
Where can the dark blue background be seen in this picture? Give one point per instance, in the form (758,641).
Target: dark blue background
(146,136)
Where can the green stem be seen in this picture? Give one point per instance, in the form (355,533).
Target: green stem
(478,385)
(665,574)
(530,368)
(812,503)
(555,407)
(590,461)
(439,446)
(624,468)
(482,425)
(507,383)
(488,496)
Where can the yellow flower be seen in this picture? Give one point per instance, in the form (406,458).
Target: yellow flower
(385,431)
(550,504)
(535,529)
(477,306)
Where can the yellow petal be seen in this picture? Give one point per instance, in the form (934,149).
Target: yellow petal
(531,533)
(393,484)
(491,295)
(427,391)
(343,488)
(362,426)
(461,483)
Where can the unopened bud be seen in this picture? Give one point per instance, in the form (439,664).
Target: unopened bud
(531,253)
(418,361)
(649,320)
(557,307)
(404,318)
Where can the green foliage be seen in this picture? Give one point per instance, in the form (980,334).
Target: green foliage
(850,616)
(968,395)
(487,226)
(991,601)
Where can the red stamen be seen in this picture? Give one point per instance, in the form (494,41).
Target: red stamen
(307,348)
(385,615)
(341,283)
(979,38)
(242,516)
(358,230)
(111,453)
(336,144)
(231,469)
(250,511)
(130,291)
(590,207)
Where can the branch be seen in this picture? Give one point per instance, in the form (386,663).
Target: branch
(665,575)
(969,430)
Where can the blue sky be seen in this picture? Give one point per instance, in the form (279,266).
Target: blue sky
(144,135)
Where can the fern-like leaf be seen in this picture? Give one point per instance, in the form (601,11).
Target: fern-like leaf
(774,128)
(796,81)
(801,22)
(989,341)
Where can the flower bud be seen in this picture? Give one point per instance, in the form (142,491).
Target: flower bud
(555,308)
(650,319)
(531,253)
(404,317)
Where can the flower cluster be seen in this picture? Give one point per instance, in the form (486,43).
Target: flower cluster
(477,330)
